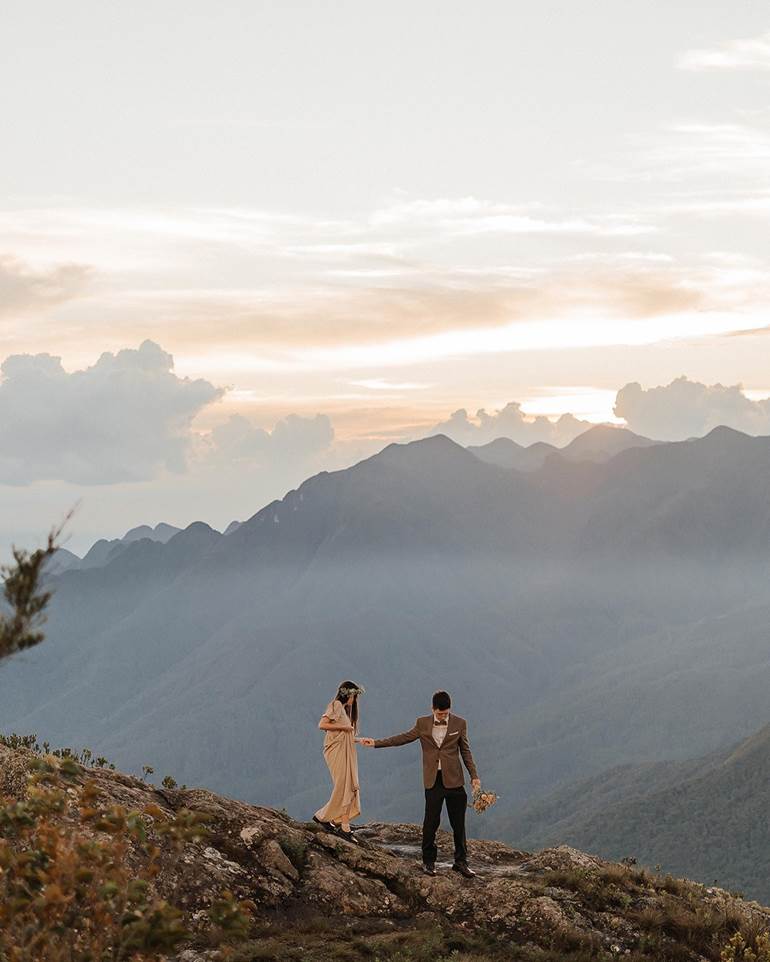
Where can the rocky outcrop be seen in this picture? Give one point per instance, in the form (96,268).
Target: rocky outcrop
(559,898)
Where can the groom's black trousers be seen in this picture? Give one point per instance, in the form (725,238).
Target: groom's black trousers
(456,802)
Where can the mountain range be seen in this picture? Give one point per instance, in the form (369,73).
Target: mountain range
(706,816)
(599,443)
(586,613)
(105,550)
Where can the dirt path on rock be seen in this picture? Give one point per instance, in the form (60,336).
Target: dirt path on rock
(487,859)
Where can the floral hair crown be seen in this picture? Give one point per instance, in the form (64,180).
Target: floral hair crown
(353,691)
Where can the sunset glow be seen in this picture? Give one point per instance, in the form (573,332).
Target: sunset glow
(318,234)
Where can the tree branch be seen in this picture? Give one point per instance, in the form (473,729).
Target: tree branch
(25,596)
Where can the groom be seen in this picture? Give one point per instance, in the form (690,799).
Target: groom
(443,739)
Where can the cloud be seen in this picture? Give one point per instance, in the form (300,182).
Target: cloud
(719,147)
(309,279)
(431,301)
(471,216)
(679,410)
(294,440)
(509,422)
(242,290)
(382,384)
(134,237)
(684,409)
(23,289)
(752,53)
(125,418)
(708,161)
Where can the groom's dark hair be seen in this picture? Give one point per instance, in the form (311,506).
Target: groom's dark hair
(441,700)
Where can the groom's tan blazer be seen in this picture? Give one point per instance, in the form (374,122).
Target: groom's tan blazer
(454,746)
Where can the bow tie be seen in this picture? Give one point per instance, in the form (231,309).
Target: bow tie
(439,723)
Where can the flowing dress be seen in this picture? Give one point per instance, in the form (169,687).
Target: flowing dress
(340,755)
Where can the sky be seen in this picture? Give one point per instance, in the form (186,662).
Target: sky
(241,242)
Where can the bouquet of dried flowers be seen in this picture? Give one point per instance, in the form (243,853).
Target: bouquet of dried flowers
(483,800)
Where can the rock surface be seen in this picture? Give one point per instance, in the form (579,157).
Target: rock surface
(558,898)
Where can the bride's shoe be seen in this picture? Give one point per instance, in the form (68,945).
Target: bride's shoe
(348,836)
(328,826)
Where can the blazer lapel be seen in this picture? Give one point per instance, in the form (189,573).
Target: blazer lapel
(429,722)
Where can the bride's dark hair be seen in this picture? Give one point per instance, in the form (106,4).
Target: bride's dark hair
(343,693)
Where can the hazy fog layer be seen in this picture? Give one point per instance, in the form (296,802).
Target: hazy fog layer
(584,614)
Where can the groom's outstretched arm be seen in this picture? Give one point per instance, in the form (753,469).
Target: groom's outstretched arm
(465,751)
(403,739)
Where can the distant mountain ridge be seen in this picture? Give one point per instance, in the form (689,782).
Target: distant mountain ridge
(506,453)
(161,532)
(104,551)
(603,442)
(599,443)
(706,817)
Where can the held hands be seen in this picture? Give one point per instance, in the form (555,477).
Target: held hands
(367,742)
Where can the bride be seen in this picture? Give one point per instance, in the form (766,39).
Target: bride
(340,722)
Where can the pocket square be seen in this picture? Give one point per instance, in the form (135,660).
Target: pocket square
(453,733)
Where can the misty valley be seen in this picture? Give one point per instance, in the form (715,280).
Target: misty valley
(599,613)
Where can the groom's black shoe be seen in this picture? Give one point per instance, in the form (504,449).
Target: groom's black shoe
(429,868)
(464,869)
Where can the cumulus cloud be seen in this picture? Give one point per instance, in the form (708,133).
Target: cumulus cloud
(684,409)
(23,289)
(126,418)
(293,440)
(510,422)
(673,412)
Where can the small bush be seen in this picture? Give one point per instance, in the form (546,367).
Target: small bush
(84,757)
(747,947)
(687,927)
(609,887)
(674,886)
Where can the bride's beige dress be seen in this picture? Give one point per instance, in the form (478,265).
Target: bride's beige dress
(340,755)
